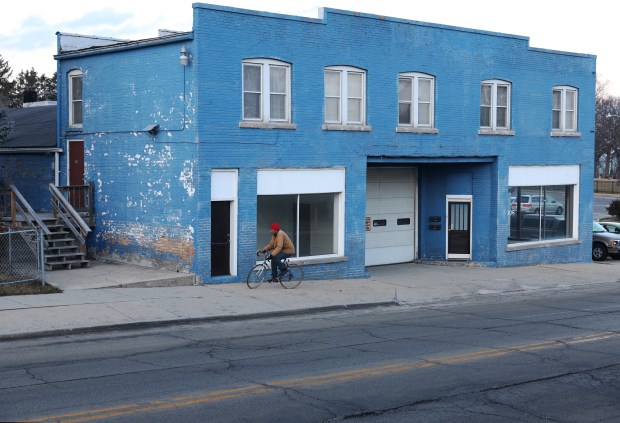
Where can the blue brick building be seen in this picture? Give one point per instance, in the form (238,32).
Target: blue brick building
(371,140)
(29,155)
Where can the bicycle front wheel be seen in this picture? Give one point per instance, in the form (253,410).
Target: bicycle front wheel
(256,276)
(293,277)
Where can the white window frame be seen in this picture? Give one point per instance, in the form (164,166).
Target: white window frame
(415,126)
(548,176)
(265,120)
(309,181)
(343,122)
(563,129)
(494,129)
(225,187)
(74,74)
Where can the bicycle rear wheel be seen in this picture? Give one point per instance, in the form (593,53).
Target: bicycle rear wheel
(293,277)
(257,275)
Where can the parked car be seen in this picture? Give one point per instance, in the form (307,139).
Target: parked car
(613,227)
(533,227)
(604,243)
(531,204)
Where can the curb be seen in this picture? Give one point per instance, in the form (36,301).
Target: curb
(187,321)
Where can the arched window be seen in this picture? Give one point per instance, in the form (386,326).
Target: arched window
(564,109)
(266,91)
(416,100)
(495,105)
(75,98)
(345,96)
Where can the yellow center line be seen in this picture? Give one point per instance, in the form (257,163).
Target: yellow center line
(338,377)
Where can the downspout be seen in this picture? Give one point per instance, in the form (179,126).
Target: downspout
(59,87)
(56,168)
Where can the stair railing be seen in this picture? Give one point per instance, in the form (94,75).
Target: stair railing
(20,207)
(5,202)
(81,199)
(71,218)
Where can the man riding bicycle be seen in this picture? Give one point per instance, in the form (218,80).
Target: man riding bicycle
(281,248)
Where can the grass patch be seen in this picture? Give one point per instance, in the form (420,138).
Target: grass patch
(28,288)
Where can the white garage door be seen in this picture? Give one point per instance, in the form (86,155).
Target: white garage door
(390,215)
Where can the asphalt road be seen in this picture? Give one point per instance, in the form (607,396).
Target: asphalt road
(547,356)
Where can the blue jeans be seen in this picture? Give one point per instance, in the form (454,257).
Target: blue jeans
(277,263)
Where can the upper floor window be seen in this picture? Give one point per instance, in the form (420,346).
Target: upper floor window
(564,109)
(345,97)
(75,98)
(266,91)
(416,100)
(495,105)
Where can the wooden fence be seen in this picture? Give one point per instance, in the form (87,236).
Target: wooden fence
(607,186)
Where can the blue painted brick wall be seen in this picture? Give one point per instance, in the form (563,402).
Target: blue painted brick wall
(31,174)
(144,185)
(149,189)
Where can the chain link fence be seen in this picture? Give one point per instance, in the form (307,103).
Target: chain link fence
(21,257)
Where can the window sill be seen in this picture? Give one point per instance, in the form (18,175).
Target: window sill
(264,125)
(337,127)
(303,261)
(565,134)
(501,132)
(412,130)
(541,244)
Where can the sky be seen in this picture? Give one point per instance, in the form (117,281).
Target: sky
(28,40)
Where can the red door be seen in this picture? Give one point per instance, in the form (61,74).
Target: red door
(76,174)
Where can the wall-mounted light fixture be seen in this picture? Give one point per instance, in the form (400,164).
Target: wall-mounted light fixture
(185,56)
(152,129)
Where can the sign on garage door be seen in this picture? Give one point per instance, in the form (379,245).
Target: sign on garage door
(390,215)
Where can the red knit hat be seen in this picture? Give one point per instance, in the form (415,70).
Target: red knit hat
(275,227)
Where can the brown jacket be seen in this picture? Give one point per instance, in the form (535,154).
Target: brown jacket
(280,242)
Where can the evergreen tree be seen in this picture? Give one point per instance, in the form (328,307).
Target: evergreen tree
(30,80)
(6,85)
(6,126)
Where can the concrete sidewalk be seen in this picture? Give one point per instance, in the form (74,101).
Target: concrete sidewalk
(113,296)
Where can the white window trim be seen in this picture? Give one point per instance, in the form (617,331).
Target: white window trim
(415,78)
(548,176)
(71,75)
(265,120)
(462,199)
(494,129)
(307,181)
(342,124)
(224,187)
(562,131)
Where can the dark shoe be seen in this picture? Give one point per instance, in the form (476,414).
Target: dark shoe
(272,279)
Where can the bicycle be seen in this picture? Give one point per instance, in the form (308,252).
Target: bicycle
(289,278)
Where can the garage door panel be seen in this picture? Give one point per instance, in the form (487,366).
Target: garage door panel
(390,196)
(394,239)
(377,256)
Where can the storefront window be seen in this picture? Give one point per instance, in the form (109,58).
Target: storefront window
(540,213)
(308,219)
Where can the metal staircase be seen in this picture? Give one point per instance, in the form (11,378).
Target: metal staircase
(64,229)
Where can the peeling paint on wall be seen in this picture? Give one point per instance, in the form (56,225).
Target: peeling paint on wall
(187,178)
(171,240)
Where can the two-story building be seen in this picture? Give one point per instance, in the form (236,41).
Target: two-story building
(370,140)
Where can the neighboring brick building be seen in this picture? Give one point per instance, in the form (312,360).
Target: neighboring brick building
(370,140)
(29,155)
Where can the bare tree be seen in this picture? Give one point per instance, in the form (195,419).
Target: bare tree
(607,138)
